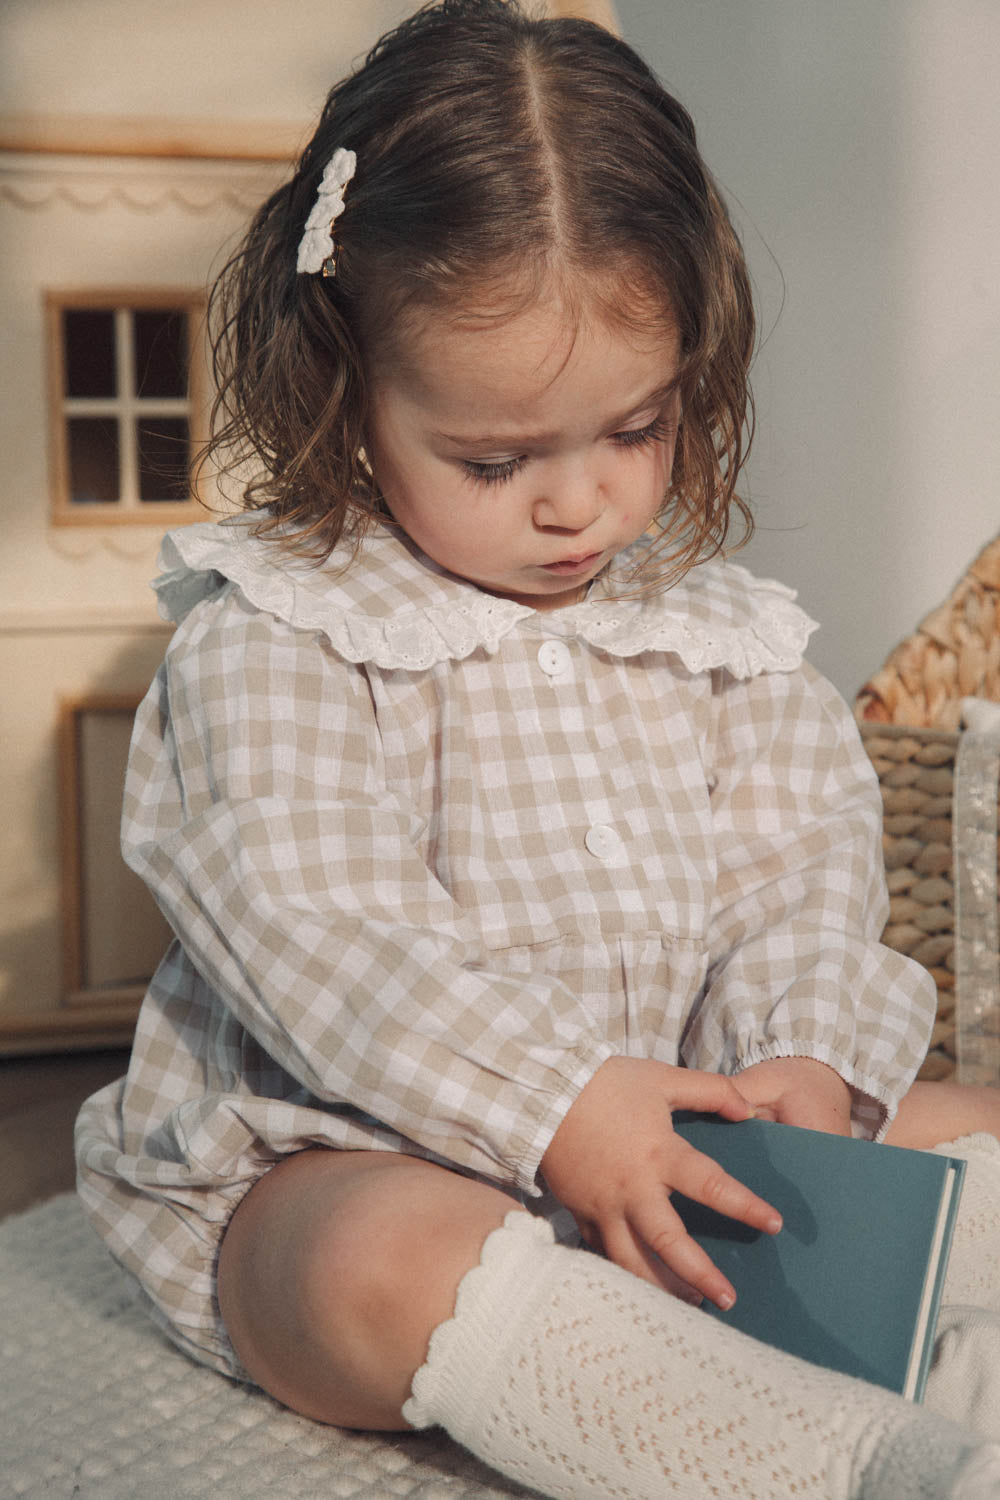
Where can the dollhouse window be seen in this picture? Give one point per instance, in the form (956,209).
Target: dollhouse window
(125,403)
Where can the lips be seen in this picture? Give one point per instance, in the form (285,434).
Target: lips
(572,564)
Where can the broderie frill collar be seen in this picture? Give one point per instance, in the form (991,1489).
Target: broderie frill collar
(398,610)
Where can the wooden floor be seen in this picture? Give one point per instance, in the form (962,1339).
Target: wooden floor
(39,1099)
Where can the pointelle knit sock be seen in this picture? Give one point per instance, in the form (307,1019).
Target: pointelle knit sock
(973,1276)
(579,1380)
(964,1382)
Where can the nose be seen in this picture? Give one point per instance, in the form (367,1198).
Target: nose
(570,501)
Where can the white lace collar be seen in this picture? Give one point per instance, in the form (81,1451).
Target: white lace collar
(400,610)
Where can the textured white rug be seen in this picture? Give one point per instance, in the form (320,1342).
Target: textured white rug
(96,1405)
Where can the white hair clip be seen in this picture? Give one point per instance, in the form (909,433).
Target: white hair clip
(317,252)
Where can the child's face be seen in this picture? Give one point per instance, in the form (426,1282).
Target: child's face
(520,458)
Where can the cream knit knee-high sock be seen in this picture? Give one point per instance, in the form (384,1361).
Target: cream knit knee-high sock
(973,1276)
(577,1379)
(964,1381)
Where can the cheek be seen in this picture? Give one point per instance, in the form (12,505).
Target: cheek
(400,483)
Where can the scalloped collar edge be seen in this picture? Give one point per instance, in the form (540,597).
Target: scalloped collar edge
(411,615)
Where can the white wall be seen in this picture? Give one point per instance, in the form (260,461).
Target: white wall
(858,144)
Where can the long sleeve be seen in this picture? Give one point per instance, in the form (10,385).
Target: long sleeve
(795,963)
(297,882)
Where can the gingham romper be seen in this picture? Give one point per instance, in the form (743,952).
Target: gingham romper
(432,856)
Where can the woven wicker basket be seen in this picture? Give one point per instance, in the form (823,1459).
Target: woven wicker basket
(954,653)
(916,772)
(910,712)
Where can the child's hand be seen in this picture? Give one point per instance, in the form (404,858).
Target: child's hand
(615,1160)
(798,1091)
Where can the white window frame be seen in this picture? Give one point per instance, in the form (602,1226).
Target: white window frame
(125,407)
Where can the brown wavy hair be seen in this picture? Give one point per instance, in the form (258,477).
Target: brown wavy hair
(494,150)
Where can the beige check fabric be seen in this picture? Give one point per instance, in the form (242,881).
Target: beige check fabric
(417,905)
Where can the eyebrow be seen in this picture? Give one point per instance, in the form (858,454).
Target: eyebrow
(656,397)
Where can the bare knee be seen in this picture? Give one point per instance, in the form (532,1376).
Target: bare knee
(335,1270)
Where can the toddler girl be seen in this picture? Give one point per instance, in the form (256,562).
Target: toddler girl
(495,819)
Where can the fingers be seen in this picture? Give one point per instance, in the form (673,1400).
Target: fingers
(664,1254)
(615,1159)
(626,1248)
(686,1259)
(708,1093)
(700,1177)
(654,1233)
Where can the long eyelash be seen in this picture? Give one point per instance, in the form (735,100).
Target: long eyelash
(492,473)
(657,431)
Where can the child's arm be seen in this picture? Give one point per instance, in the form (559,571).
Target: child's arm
(797,971)
(615,1159)
(258,812)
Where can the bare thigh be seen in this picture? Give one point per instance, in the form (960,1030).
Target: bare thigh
(932,1113)
(336,1268)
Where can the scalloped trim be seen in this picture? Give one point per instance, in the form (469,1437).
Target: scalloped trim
(197,558)
(500,1261)
(773,639)
(725,618)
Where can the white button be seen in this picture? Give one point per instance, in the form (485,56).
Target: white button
(603,842)
(554,658)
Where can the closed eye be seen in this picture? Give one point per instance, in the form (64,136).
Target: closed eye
(492,473)
(660,430)
(657,431)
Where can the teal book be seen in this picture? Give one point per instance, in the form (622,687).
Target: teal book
(853,1280)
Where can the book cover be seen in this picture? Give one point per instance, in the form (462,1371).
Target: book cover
(853,1280)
